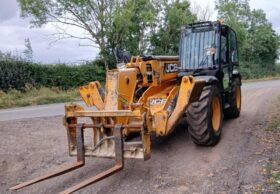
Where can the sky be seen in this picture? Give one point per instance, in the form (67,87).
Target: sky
(15,29)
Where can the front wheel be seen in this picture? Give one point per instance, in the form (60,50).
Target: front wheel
(205,117)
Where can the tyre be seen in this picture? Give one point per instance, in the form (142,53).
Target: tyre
(233,111)
(205,117)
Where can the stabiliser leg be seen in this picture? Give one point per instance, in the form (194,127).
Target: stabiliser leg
(81,161)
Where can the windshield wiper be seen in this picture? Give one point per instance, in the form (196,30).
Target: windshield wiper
(203,62)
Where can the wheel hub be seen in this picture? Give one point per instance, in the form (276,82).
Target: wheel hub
(216,113)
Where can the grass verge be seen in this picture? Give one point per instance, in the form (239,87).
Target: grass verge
(276,177)
(34,96)
(272,170)
(275,123)
(260,79)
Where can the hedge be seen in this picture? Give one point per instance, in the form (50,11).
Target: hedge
(256,71)
(15,74)
(18,74)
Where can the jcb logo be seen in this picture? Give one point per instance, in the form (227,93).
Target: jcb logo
(154,101)
(170,68)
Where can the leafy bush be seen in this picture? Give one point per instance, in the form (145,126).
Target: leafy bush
(256,71)
(18,74)
(15,75)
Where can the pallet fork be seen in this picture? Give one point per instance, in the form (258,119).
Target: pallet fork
(119,160)
(81,162)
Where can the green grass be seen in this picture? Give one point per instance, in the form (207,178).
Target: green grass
(277,178)
(273,167)
(274,178)
(275,123)
(34,96)
(261,79)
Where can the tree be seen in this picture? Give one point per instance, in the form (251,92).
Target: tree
(235,13)
(2,55)
(258,42)
(264,42)
(104,23)
(203,13)
(166,35)
(138,17)
(28,52)
(94,18)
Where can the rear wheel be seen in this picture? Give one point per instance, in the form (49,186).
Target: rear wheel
(205,117)
(233,111)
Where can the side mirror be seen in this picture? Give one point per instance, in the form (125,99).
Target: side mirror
(126,56)
(122,56)
(234,56)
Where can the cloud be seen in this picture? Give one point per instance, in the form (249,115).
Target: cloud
(14,29)
(8,9)
(272,10)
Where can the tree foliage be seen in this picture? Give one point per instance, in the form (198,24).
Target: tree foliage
(132,25)
(166,35)
(94,18)
(152,26)
(105,23)
(138,17)
(203,12)
(258,42)
(28,52)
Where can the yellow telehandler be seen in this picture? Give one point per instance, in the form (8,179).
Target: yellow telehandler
(150,95)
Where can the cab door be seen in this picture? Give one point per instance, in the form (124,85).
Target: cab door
(224,58)
(229,55)
(233,50)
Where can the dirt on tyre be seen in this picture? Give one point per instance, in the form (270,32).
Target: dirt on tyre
(233,111)
(205,117)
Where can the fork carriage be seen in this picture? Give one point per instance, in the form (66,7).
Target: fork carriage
(103,138)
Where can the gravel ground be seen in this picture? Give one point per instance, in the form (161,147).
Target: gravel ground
(32,147)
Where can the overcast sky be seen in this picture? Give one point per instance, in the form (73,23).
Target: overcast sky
(15,29)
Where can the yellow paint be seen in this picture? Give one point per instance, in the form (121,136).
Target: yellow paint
(91,95)
(126,87)
(190,90)
(111,90)
(238,97)
(158,72)
(216,113)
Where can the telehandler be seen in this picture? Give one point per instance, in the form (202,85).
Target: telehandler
(151,94)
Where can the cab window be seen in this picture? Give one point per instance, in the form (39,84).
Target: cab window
(224,49)
(224,46)
(233,55)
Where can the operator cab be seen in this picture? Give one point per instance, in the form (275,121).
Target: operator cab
(209,48)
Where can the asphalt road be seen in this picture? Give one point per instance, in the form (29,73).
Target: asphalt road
(58,109)
(32,111)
